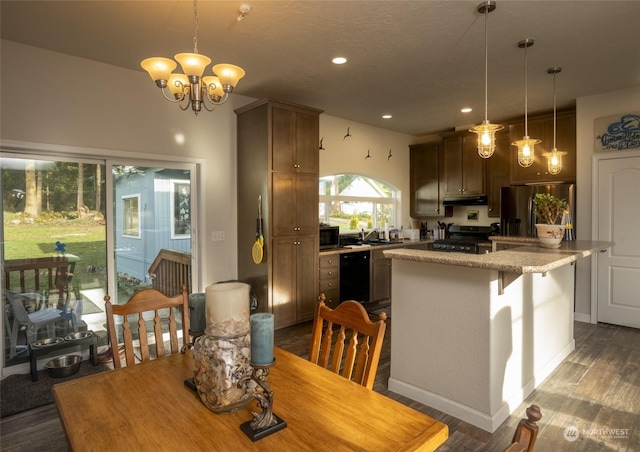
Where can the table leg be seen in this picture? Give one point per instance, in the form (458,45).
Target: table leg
(34,365)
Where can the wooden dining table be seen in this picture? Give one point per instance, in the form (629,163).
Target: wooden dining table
(148,407)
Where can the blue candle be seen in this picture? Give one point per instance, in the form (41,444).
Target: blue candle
(197,312)
(262,338)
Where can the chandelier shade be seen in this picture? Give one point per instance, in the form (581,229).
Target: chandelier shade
(486,131)
(191,89)
(526,146)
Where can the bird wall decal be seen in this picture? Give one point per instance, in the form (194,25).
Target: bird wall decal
(321,146)
(368,154)
(348,133)
(389,156)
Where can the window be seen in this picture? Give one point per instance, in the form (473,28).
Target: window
(131,216)
(181,208)
(354,202)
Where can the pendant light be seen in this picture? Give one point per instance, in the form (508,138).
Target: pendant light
(526,145)
(554,158)
(486,131)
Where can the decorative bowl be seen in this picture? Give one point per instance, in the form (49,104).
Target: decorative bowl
(64,366)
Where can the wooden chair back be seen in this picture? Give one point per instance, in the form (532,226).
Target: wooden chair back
(355,350)
(527,431)
(144,301)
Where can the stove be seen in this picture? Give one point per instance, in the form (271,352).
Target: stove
(463,239)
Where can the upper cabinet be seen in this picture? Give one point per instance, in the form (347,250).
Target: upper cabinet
(427,180)
(541,127)
(464,169)
(295,140)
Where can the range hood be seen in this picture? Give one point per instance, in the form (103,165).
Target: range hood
(465,201)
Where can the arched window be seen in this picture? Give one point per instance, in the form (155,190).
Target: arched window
(355,202)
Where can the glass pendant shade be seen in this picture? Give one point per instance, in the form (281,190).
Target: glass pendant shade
(554,161)
(213,86)
(526,148)
(228,74)
(158,68)
(193,64)
(486,137)
(178,85)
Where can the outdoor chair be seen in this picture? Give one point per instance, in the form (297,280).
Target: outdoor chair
(147,305)
(31,323)
(358,361)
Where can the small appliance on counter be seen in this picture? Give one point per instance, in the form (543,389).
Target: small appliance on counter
(329,236)
(463,239)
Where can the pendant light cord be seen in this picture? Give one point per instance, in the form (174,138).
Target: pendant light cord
(526,132)
(486,63)
(554,110)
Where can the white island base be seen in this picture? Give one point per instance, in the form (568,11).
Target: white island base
(459,346)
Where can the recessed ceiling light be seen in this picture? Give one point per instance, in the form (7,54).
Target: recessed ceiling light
(466,110)
(387,116)
(339,60)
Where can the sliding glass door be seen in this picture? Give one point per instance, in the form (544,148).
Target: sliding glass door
(76,229)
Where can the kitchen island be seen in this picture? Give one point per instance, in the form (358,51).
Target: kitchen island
(474,335)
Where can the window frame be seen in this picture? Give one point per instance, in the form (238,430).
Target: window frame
(126,216)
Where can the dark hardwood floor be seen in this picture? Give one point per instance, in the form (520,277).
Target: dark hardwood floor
(596,390)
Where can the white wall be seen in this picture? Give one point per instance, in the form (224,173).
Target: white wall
(347,155)
(587,110)
(84,107)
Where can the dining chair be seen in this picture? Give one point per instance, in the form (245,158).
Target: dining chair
(32,323)
(140,306)
(526,432)
(356,346)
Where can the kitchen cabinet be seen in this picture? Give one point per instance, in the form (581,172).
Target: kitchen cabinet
(329,277)
(380,280)
(541,127)
(294,281)
(464,169)
(278,159)
(498,172)
(427,181)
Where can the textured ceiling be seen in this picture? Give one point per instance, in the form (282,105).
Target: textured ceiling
(421,61)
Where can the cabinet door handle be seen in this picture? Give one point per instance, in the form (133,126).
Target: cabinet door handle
(329,273)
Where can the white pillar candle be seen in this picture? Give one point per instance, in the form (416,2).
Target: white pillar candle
(227,309)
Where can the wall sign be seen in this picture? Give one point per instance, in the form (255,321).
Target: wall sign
(617,133)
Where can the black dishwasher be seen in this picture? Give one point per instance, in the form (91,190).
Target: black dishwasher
(354,276)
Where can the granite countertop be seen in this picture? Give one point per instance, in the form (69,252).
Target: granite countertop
(387,246)
(524,259)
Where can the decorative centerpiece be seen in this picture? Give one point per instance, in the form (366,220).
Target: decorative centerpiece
(221,355)
(550,211)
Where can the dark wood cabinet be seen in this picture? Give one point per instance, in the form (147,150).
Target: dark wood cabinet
(464,169)
(427,181)
(541,127)
(498,172)
(278,159)
(329,276)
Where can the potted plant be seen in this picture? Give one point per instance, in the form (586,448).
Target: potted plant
(549,211)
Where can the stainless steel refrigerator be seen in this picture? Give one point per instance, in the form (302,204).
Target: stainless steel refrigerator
(516,207)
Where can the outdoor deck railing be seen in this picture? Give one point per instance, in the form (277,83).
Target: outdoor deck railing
(170,270)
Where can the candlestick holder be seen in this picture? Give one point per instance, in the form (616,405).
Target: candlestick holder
(265,423)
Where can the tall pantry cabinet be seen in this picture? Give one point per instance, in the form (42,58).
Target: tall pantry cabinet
(278,159)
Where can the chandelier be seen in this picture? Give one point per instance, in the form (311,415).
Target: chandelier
(526,144)
(191,88)
(486,131)
(554,158)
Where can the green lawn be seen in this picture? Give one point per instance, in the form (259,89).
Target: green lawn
(85,239)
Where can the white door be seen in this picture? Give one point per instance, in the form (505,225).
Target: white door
(618,269)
